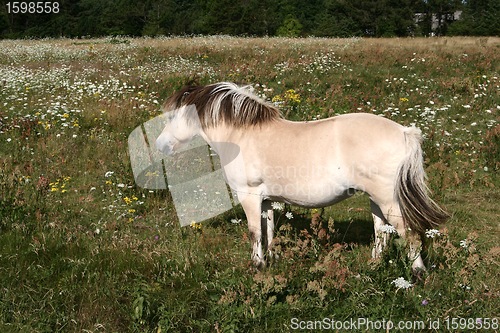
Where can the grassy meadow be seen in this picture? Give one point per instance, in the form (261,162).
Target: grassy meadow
(84,249)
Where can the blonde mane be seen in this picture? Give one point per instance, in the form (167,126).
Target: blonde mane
(224,102)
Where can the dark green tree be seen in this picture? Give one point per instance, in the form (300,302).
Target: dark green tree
(479,18)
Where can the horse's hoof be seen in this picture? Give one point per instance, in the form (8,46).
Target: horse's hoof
(418,272)
(259,264)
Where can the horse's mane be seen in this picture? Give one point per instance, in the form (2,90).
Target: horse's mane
(224,102)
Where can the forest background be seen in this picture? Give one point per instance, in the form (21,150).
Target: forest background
(332,18)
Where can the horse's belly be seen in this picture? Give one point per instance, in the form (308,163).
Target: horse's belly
(308,194)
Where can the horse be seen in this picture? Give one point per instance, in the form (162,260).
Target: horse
(312,164)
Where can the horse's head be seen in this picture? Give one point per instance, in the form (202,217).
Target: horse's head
(181,127)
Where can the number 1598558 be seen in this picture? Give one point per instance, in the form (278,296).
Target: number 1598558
(33,7)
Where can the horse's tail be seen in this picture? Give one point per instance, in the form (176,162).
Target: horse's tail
(419,211)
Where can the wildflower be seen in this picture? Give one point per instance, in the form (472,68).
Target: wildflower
(464,243)
(402,283)
(264,215)
(431,233)
(195,225)
(424,302)
(463,286)
(120,185)
(388,229)
(109,173)
(236,221)
(278,205)
(276,98)
(289,215)
(97,231)
(127,200)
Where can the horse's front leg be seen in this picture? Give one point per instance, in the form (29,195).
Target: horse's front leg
(267,223)
(252,206)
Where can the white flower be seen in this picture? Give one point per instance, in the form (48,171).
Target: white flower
(289,215)
(464,286)
(431,233)
(264,215)
(464,244)
(236,221)
(121,185)
(97,231)
(109,173)
(278,205)
(402,283)
(486,168)
(388,229)
(74,135)
(9,140)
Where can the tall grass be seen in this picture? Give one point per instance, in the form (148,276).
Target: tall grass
(84,249)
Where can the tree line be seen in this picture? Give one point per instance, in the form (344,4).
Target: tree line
(334,18)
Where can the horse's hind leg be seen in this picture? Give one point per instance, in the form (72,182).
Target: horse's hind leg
(380,237)
(392,214)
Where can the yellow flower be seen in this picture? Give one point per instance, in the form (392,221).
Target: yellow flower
(195,225)
(276,98)
(292,95)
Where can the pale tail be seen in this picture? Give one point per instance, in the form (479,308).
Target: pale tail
(419,211)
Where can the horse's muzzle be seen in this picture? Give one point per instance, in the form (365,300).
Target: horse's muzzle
(163,145)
